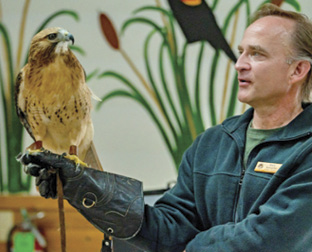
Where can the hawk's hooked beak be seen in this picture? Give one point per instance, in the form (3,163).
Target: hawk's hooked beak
(71,37)
(66,36)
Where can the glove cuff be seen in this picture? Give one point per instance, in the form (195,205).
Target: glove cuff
(113,203)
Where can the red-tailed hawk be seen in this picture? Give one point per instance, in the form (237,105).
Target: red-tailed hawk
(52,99)
(53,102)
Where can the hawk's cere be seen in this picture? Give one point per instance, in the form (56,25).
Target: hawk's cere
(52,99)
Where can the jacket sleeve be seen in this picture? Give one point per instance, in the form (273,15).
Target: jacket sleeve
(169,224)
(281,224)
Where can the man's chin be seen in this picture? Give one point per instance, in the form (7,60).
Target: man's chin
(243,99)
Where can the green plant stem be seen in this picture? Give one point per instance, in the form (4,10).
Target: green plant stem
(169,26)
(211,88)
(227,71)
(21,36)
(192,119)
(216,62)
(178,70)
(153,84)
(197,85)
(141,78)
(13,129)
(233,97)
(214,5)
(165,86)
(8,89)
(137,96)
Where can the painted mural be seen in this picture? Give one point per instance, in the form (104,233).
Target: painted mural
(168,86)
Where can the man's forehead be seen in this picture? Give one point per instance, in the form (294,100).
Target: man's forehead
(272,25)
(268,31)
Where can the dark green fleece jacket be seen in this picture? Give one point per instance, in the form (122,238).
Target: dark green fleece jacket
(218,205)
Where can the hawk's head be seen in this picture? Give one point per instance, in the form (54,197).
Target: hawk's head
(49,42)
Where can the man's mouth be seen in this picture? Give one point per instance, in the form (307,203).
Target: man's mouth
(243,81)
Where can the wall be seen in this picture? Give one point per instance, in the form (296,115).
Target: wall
(127,140)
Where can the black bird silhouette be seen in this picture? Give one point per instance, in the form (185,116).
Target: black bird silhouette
(198,23)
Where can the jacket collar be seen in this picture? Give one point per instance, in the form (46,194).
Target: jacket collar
(301,125)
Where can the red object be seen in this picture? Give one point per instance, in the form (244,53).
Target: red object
(277,2)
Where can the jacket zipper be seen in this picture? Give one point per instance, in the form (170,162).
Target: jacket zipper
(240,183)
(244,169)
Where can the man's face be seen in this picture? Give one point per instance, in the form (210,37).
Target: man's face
(263,71)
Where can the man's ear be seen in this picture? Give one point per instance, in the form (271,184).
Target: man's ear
(300,71)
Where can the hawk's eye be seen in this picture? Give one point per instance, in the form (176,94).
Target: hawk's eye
(52,36)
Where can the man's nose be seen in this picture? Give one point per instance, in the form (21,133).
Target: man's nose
(242,63)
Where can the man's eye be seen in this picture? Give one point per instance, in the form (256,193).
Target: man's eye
(52,36)
(255,53)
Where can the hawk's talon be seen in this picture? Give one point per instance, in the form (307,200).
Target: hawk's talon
(32,152)
(76,160)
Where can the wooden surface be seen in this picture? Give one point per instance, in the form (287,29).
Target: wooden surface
(80,234)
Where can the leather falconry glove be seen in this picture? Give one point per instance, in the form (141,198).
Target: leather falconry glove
(112,203)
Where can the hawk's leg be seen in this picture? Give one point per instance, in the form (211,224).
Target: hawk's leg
(36,146)
(73,150)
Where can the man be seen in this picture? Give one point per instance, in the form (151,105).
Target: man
(244,185)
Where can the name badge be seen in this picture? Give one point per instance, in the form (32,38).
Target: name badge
(267,167)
